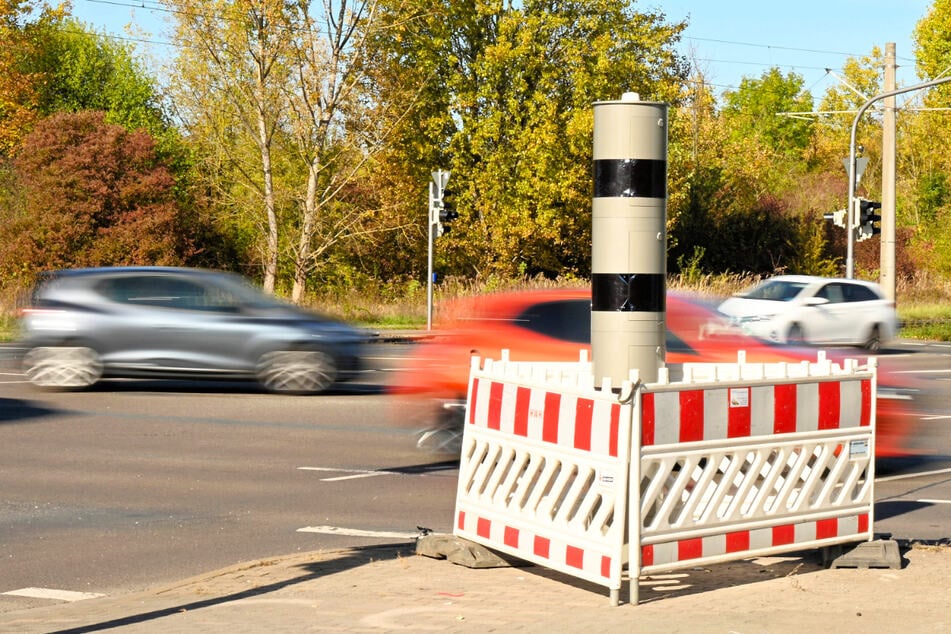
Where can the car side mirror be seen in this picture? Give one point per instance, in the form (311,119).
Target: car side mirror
(816,301)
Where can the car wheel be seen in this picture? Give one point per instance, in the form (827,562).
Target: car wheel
(444,436)
(796,336)
(873,343)
(62,367)
(297,371)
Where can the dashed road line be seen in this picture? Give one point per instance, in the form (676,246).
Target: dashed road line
(355,473)
(356,532)
(55,595)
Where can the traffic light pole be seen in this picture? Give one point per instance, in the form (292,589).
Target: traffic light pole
(437,186)
(852,206)
(429,270)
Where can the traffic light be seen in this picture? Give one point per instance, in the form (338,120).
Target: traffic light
(437,196)
(869,219)
(447,210)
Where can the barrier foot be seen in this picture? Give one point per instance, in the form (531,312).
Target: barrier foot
(615,597)
(881,553)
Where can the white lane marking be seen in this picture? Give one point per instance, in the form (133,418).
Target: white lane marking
(56,595)
(356,532)
(919,474)
(353,477)
(921,372)
(357,473)
(927,501)
(937,417)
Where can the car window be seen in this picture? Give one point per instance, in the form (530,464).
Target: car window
(163,291)
(859,293)
(568,320)
(673,343)
(832,292)
(776,290)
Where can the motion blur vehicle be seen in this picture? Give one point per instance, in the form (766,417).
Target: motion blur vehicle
(163,322)
(802,309)
(555,325)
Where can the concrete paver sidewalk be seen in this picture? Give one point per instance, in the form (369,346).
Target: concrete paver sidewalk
(389,588)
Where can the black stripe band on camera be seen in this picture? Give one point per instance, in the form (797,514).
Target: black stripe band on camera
(630,178)
(628,292)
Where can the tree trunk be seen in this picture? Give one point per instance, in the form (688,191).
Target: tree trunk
(302,261)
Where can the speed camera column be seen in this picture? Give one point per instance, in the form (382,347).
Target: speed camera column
(628,239)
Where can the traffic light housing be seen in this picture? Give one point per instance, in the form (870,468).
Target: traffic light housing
(445,210)
(869,219)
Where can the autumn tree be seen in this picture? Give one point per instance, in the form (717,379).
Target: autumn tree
(333,133)
(89,193)
(695,175)
(861,79)
(506,106)
(271,93)
(89,71)
(927,207)
(747,159)
(25,29)
(228,85)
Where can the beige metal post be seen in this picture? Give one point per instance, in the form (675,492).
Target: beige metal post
(887,257)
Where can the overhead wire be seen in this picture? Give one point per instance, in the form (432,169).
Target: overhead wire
(154,6)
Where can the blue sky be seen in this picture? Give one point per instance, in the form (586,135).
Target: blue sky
(732,39)
(729,39)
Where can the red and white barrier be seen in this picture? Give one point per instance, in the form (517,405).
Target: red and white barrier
(731,461)
(543,471)
(729,469)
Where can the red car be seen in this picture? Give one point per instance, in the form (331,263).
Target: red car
(555,325)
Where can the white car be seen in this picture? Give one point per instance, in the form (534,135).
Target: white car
(814,310)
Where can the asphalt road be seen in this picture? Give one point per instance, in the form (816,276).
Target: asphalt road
(138,483)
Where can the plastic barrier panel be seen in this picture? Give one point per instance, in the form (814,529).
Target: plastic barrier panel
(544,469)
(728,462)
(733,469)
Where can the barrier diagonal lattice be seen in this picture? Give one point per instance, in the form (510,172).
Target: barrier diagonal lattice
(744,469)
(558,495)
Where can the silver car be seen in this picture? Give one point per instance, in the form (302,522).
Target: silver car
(164,322)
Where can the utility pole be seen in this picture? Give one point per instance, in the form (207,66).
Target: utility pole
(887,271)
(853,206)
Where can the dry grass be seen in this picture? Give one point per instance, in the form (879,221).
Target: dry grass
(924,301)
(384,308)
